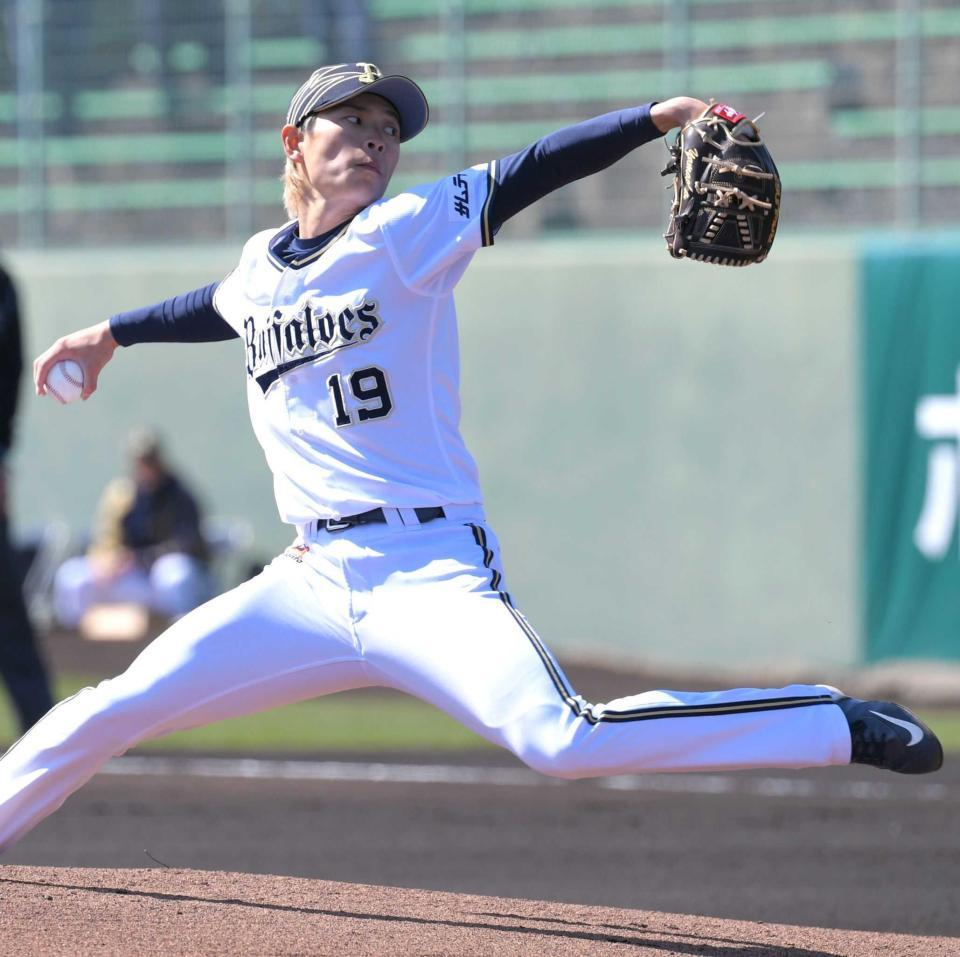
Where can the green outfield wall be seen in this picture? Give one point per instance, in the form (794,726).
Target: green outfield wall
(910,337)
(670,451)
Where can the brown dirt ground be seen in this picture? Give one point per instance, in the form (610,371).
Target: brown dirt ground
(46,911)
(80,911)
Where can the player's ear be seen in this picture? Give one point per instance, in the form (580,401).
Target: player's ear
(292,139)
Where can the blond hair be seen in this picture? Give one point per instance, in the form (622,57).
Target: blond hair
(294,188)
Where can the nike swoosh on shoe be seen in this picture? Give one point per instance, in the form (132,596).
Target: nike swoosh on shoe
(916,734)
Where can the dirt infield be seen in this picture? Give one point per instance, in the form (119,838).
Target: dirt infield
(824,848)
(178,912)
(751,854)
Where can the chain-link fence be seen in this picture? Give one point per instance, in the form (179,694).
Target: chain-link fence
(158,120)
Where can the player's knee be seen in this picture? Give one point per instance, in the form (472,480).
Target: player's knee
(554,761)
(74,724)
(97,719)
(551,743)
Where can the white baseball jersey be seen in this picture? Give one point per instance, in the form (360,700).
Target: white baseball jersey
(352,354)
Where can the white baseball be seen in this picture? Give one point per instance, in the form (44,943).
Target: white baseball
(65,381)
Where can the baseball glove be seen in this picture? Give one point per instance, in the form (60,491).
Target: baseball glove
(726,201)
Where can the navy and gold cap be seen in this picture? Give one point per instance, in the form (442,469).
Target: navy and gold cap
(331,85)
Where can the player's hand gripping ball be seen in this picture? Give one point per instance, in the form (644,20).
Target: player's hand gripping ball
(726,190)
(65,381)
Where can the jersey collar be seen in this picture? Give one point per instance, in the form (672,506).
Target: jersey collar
(287,251)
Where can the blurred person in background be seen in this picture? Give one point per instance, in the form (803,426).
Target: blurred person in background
(20,663)
(148,547)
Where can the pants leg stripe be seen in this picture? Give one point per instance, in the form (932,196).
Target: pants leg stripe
(593,715)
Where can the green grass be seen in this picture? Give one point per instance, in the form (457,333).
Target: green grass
(345,722)
(340,723)
(356,722)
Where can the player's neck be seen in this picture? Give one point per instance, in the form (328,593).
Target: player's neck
(319,217)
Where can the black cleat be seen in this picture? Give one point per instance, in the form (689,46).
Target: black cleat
(886,735)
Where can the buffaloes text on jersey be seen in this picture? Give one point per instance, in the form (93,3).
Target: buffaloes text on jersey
(284,341)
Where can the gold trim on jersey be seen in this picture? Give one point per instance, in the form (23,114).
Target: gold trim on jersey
(486,232)
(282,264)
(297,263)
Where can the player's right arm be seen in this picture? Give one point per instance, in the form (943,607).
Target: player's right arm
(92,347)
(190,317)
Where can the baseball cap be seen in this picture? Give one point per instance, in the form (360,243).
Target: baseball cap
(331,85)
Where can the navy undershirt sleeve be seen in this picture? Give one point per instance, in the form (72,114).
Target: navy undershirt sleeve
(567,155)
(190,317)
(524,177)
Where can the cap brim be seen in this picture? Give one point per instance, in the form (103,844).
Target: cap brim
(403,94)
(409,101)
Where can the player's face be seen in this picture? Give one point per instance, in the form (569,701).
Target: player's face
(351,150)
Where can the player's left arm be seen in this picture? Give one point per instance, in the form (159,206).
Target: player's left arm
(677,111)
(432,231)
(581,150)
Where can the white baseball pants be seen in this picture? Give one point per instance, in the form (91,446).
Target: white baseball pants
(422,609)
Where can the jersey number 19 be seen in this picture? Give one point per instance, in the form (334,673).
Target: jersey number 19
(369,388)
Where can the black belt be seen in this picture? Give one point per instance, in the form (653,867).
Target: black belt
(374,516)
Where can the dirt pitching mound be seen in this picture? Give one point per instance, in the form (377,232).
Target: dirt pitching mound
(170,912)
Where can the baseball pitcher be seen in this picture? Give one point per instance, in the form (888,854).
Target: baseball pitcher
(347,337)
